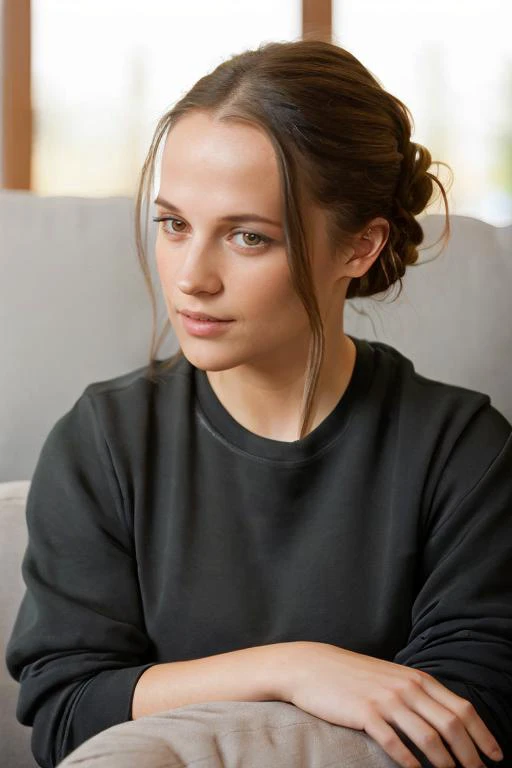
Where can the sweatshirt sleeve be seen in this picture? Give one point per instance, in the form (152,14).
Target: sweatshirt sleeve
(78,645)
(462,616)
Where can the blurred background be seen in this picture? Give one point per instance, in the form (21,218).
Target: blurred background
(85,81)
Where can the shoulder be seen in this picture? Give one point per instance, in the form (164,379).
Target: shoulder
(429,400)
(141,389)
(122,410)
(434,420)
(111,432)
(164,371)
(453,432)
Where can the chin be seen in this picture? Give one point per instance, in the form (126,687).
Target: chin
(213,360)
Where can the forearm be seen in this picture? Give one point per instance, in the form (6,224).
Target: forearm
(260,673)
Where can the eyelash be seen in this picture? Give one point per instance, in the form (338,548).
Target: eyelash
(265,240)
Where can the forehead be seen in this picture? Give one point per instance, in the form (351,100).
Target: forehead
(200,144)
(211,168)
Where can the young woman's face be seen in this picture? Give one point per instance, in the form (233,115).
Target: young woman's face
(208,262)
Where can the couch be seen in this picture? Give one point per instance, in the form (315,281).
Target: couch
(74,309)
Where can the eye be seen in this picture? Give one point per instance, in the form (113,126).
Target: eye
(253,240)
(172,219)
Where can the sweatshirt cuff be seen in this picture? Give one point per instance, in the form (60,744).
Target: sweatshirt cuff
(104,701)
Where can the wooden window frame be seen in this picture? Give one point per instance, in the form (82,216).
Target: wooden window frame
(317,19)
(16,96)
(16,86)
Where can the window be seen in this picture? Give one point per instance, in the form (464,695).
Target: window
(104,71)
(451,63)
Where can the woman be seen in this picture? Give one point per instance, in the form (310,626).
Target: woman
(280,511)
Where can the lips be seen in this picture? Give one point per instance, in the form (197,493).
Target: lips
(204,318)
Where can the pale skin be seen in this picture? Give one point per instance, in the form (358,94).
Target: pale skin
(206,262)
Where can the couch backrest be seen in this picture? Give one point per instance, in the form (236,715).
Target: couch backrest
(74,308)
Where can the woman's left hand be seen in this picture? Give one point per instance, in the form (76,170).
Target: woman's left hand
(372,695)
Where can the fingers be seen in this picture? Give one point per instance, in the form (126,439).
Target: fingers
(421,734)
(390,742)
(429,740)
(465,712)
(429,724)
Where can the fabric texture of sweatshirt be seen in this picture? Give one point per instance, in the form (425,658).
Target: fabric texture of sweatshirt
(160,529)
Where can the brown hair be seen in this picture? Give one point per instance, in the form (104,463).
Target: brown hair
(338,135)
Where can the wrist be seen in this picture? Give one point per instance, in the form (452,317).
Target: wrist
(284,668)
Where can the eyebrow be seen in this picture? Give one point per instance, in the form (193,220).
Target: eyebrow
(238,217)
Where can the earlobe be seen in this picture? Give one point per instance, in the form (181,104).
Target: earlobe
(359,264)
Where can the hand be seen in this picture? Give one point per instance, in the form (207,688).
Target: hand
(369,694)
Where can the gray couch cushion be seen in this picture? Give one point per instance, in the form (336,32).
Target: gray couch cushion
(14,738)
(74,308)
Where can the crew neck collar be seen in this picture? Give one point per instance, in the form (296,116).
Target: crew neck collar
(326,433)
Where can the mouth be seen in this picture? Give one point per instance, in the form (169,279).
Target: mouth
(203,328)
(199,317)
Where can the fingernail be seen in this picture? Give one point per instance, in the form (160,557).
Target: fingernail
(497,754)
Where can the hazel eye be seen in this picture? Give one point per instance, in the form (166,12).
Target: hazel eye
(176,221)
(173,221)
(250,235)
(251,239)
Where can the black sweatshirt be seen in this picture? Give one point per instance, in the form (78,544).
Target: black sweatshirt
(160,529)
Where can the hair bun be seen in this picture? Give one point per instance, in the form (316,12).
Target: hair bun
(413,193)
(415,186)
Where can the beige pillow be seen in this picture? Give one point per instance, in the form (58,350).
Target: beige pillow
(230,734)
(14,737)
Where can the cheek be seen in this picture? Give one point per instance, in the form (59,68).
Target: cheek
(272,282)
(159,257)
(163,264)
(271,298)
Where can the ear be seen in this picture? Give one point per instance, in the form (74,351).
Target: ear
(365,247)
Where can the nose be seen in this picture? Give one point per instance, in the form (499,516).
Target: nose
(199,270)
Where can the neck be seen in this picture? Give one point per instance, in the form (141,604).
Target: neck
(270,406)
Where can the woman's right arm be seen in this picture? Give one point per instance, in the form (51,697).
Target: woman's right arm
(79,645)
(259,673)
(79,642)
(336,685)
